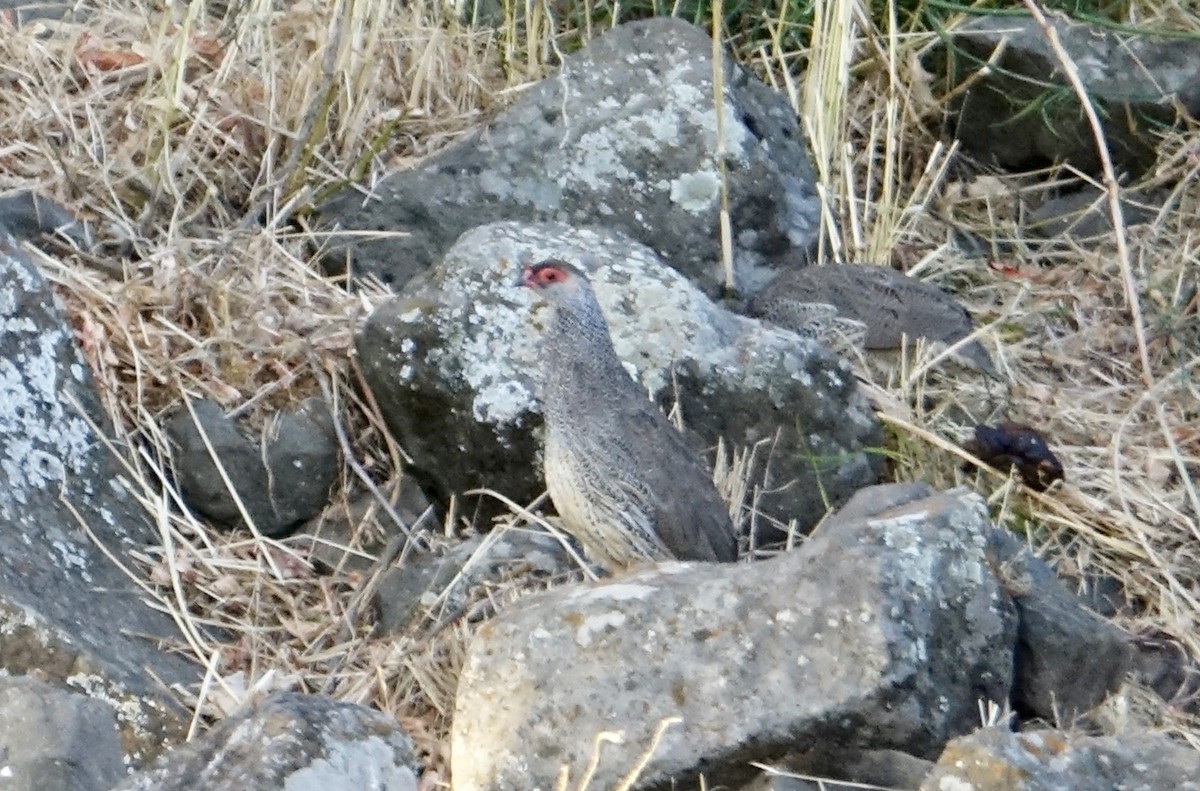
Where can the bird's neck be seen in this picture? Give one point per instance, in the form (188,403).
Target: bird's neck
(580,364)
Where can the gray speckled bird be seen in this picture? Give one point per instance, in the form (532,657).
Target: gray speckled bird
(889,303)
(623,480)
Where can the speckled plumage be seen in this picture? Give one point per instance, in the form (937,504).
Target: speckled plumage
(889,304)
(623,480)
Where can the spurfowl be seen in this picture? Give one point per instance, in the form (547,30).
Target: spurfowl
(624,481)
(889,304)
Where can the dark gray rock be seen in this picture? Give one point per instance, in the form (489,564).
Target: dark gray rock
(623,137)
(1103,594)
(995,759)
(859,767)
(885,632)
(290,742)
(1083,215)
(52,739)
(66,610)
(452,362)
(778,781)
(282,479)
(29,216)
(444,584)
(1068,659)
(1024,113)
(25,11)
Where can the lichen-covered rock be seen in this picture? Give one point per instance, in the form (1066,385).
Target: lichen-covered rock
(290,742)
(995,759)
(452,364)
(623,136)
(885,631)
(66,610)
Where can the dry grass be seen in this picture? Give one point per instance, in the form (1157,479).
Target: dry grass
(191,140)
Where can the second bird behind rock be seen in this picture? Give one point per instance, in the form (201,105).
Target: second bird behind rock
(624,481)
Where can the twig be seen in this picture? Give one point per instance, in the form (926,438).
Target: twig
(1110,184)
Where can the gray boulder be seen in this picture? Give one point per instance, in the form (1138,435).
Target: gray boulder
(53,739)
(67,611)
(290,742)
(1023,112)
(624,136)
(452,363)
(885,631)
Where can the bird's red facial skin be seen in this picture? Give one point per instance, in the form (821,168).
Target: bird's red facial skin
(545,276)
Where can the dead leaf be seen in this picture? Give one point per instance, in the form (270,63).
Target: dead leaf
(105,58)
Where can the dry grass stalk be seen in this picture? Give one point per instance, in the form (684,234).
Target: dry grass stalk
(192,140)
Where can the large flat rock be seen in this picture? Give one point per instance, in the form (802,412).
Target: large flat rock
(885,631)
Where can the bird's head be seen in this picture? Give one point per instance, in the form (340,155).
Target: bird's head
(556,281)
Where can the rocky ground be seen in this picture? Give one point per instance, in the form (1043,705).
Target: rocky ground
(271,435)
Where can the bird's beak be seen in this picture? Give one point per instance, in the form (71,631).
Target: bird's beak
(522,277)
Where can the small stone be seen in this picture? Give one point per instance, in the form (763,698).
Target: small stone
(1068,659)
(282,479)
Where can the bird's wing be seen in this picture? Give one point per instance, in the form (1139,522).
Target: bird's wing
(689,515)
(616,495)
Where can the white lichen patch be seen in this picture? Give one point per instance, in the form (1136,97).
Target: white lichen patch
(954,784)
(617,591)
(130,709)
(486,341)
(615,142)
(44,440)
(73,557)
(598,624)
(15,619)
(903,532)
(696,192)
